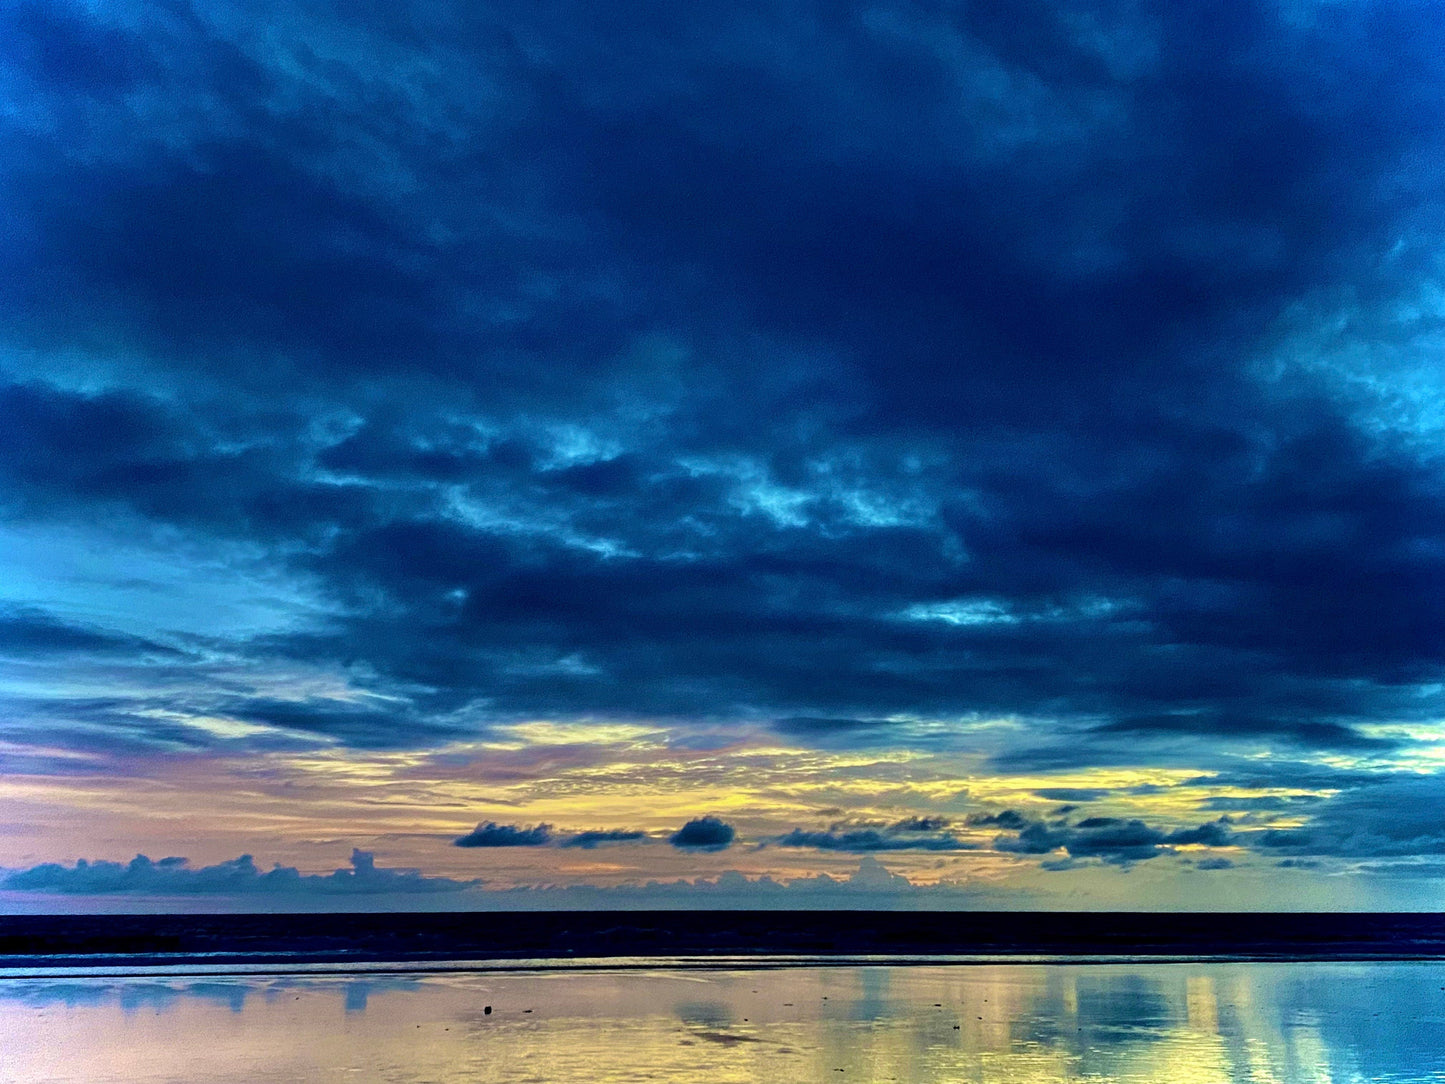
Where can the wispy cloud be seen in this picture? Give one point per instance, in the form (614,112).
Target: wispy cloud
(596,838)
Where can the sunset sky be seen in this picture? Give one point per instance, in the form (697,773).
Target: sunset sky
(930,453)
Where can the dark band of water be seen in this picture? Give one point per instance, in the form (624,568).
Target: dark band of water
(415,938)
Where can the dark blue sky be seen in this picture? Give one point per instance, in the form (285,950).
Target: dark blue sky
(1054,388)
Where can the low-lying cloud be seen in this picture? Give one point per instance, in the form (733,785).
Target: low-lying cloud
(239,885)
(864,840)
(590,840)
(492,834)
(1112,840)
(238,876)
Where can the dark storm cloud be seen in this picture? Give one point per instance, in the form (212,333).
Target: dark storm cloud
(845,369)
(704,834)
(102,453)
(492,834)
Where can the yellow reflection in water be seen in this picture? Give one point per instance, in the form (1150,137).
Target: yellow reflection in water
(1028,1024)
(1203,1012)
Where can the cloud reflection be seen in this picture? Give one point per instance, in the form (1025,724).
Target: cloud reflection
(1031,1023)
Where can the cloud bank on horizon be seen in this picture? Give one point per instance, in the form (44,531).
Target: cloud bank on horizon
(175,876)
(942,395)
(151,882)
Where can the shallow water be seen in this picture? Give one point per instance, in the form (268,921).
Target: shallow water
(1186,1022)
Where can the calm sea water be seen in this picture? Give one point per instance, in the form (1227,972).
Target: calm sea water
(1183,1022)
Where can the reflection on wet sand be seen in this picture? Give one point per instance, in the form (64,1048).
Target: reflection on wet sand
(1023,1023)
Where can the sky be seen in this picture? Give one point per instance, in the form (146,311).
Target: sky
(977,455)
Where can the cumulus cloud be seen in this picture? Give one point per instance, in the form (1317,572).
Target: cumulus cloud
(492,834)
(237,877)
(703,834)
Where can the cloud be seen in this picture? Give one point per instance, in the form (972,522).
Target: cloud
(864,840)
(1113,840)
(492,834)
(369,724)
(240,886)
(821,729)
(1400,815)
(237,877)
(872,884)
(1008,818)
(919,824)
(1263,804)
(1071,794)
(591,840)
(30,631)
(1083,378)
(703,833)
(1212,834)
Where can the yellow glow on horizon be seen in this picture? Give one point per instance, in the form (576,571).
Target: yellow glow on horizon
(309,808)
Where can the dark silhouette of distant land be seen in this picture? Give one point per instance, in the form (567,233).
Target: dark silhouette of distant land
(35,940)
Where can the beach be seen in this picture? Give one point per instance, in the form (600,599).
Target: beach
(640,1020)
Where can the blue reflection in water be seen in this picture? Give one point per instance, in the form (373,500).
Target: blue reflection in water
(356,995)
(872,1003)
(1182,1022)
(706,1014)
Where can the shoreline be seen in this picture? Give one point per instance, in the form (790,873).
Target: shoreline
(13,970)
